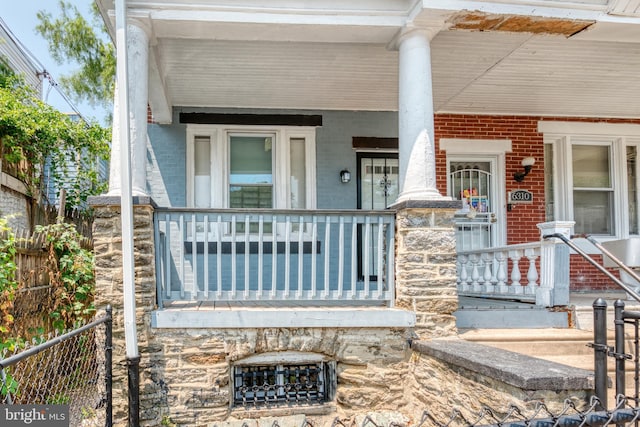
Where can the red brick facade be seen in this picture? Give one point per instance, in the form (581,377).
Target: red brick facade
(526,141)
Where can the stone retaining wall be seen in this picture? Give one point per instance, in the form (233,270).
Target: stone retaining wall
(453,373)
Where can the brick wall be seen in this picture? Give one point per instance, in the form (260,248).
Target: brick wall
(526,141)
(584,276)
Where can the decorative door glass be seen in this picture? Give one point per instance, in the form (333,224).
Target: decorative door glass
(471,183)
(378,189)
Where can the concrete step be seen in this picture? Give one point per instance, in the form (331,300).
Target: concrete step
(583,307)
(528,317)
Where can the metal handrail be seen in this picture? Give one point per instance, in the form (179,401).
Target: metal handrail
(632,292)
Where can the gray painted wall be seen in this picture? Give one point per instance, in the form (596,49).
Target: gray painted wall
(166,171)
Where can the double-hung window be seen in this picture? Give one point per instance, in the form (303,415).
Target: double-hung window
(593,187)
(251,167)
(591,176)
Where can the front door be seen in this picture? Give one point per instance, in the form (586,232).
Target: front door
(474,182)
(377,189)
(377,180)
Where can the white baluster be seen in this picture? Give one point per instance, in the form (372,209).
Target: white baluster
(501,275)
(516,287)
(464,276)
(475,273)
(532,273)
(487,259)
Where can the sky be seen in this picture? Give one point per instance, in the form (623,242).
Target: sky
(20,17)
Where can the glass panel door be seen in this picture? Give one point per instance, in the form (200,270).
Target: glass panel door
(378,182)
(378,188)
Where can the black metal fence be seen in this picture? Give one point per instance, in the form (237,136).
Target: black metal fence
(72,369)
(624,351)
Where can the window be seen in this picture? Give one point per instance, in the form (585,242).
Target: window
(591,176)
(251,167)
(593,189)
(285,378)
(250,171)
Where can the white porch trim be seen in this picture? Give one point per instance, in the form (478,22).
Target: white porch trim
(475,146)
(580,128)
(294,317)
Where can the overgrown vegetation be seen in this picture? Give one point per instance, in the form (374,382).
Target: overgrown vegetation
(71,275)
(8,283)
(35,138)
(70,269)
(69,302)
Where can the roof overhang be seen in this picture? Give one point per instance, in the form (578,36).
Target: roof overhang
(523,58)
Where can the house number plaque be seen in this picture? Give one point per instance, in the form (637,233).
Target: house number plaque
(520,196)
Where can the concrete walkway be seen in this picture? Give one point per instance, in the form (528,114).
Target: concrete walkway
(583,303)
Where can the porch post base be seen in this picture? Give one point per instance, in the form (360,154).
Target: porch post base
(107,235)
(426,265)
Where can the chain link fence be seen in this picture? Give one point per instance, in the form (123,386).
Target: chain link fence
(513,416)
(72,369)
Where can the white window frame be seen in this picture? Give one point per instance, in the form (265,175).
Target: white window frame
(219,162)
(562,136)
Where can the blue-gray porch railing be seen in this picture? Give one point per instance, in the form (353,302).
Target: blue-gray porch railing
(284,256)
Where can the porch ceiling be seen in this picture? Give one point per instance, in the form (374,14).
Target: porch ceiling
(205,62)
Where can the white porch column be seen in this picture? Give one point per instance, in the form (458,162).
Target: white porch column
(114,165)
(415,116)
(138,72)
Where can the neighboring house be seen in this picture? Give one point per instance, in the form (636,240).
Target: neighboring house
(13,193)
(279,134)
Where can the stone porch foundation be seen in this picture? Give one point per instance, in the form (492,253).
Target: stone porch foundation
(185,373)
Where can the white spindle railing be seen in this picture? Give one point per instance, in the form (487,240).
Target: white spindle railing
(484,272)
(534,272)
(275,255)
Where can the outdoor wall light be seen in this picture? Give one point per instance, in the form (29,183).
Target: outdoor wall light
(527,164)
(345,176)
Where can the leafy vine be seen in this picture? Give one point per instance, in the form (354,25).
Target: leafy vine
(8,283)
(71,275)
(35,137)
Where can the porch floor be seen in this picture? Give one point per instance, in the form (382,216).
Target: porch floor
(218,315)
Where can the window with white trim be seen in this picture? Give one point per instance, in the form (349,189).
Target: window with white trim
(591,177)
(251,167)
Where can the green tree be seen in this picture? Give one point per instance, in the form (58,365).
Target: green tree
(72,38)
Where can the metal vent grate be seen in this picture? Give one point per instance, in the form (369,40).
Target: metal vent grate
(262,385)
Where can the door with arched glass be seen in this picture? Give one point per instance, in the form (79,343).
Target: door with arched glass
(474,183)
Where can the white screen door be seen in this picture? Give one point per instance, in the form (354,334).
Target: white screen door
(473,182)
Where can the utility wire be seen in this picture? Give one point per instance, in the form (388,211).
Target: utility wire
(37,65)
